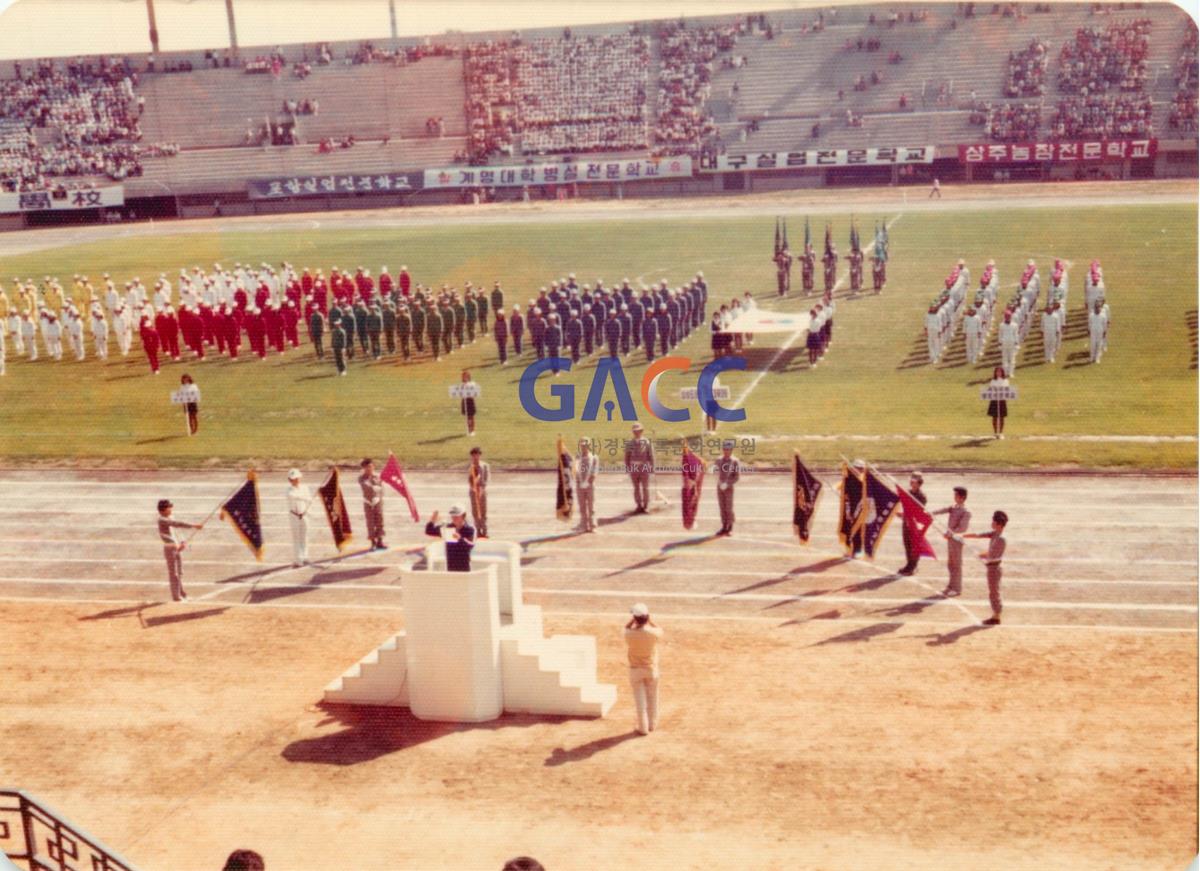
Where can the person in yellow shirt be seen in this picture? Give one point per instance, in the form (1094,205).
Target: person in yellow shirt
(642,638)
(4,307)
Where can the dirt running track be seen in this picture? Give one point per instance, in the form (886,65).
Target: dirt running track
(818,713)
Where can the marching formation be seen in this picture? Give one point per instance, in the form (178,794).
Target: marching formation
(950,309)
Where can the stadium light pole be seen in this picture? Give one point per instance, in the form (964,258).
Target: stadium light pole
(392,16)
(153,26)
(232,27)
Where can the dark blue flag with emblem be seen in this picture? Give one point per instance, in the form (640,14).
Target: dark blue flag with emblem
(785,241)
(804,500)
(243,513)
(850,513)
(778,248)
(335,509)
(881,501)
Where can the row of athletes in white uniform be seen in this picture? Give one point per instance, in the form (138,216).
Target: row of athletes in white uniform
(943,317)
(54,314)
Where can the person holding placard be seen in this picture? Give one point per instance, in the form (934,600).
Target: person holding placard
(470,390)
(998,408)
(189,397)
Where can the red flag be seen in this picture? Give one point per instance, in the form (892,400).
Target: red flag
(916,521)
(693,476)
(393,476)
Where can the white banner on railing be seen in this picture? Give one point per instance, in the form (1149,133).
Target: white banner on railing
(817,158)
(51,201)
(577,171)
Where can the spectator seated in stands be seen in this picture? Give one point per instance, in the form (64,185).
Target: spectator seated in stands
(1102,116)
(1101,60)
(1183,106)
(1027,71)
(1014,122)
(91,107)
(685,79)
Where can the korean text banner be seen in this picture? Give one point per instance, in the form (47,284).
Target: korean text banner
(47,201)
(330,185)
(817,158)
(559,173)
(1057,152)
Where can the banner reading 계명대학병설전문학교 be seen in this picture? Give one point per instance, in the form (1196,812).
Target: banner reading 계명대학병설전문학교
(560,172)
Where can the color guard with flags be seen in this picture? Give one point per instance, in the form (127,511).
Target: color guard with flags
(564,497)
(879,258)
(692,468)
(782,259)
(830,260)
(807,490)
(393,476)
(850,515)
(244,514)
(335,509)
(916,521)
(878,510)
(855,257)
(808,260)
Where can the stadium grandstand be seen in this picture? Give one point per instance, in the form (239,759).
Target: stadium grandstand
(781,99)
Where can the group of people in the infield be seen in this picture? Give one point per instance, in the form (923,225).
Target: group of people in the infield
(950,309)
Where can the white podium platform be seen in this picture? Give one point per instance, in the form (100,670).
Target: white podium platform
(472,649)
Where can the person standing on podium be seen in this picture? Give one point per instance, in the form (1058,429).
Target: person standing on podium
(458,535)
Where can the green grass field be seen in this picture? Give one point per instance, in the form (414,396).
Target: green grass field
(873,381)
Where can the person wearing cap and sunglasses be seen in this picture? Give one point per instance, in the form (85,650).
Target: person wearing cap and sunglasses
(298,500)
(639,463)
(458,535)
(173,547)
(728,470)
(372,490)
(642,638)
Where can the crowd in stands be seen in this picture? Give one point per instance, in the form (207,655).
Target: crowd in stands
(581,94)
(1183,106)
(435,125)
(1014,122)
(685,77)
(490,115)
(1102,116)
(89,112)
(1027,71)
(1102,60)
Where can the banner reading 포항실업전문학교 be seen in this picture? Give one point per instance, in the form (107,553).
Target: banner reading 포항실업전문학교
(48,201)
(333,184)
(562,172)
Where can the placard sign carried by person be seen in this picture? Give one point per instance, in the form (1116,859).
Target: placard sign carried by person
(469,390)
(998,392)
(185,394)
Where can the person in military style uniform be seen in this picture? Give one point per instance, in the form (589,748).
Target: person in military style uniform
(173,547)
(915,480)
(362,326)
(389,326)
(449,325)
(479,475)
(830,260)
(516,327)
(417,314)
(957,523)
(497,298)
(574,335)
(339,342)
(374,331)
(481,310)
(992,559)
(649,333)
(639,463)
(460,320)
(433,326)
(500,334)
(372,490)
(553,340)
(663,327)
(783,271)
(728,470)
(470,313)
(404,329)
(808,267)
(537,331)
(316,329)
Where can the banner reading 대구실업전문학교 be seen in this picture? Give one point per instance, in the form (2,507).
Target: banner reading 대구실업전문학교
(817,158)
(1058,152)
(563,172)
(49,201)
(333,184)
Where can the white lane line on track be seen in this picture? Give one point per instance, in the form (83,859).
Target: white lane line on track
(643,594)
(275,570)
(621,613)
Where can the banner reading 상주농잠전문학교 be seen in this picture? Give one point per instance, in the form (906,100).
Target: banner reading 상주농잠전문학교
(819,157)
(333,184)
(49,201)
(1057,152)
(563,172)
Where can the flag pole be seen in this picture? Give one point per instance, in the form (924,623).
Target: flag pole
(932,521)
(221,503)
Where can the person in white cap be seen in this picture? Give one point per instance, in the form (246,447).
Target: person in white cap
(586,466)
(642,638)
(458,535)
(298,500)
